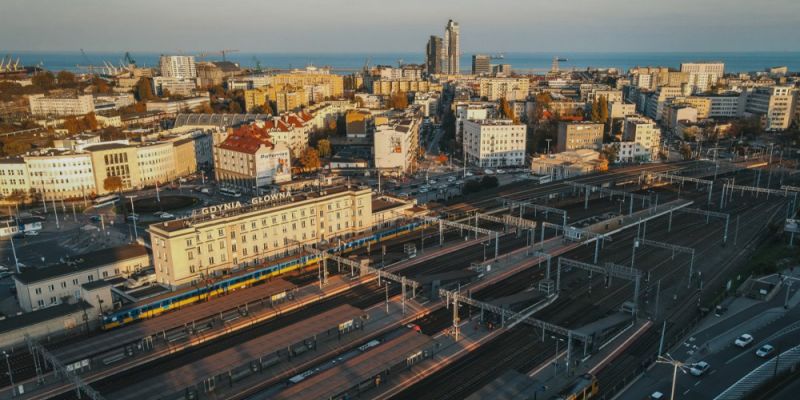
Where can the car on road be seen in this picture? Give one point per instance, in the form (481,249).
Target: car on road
(500,171)
(656,395)
(451,179)
(432,181)
(699,368)
(744,340)
(423,190)
(468,174)
(31,233)
(166,215)
(765,351)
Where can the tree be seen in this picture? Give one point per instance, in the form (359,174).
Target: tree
(610,153)
(112,184)
(101,86)
(324,147)
(44,80)
(602,105)
(89,122)
(686,151)
(505,109)
(309,159)
(16,147)
(234,107)
(65,79)
(204,108)
(72,125)
(595,111)
(144,90)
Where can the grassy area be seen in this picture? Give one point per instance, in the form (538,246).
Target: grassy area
(772,256)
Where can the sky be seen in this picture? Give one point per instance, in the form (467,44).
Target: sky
(307,26)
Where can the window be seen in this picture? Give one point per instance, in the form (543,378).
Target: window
(51,287)
(190,255)
(38,290)
(90,278)
(188,242)
(53,300)
(75,282)
(40,303)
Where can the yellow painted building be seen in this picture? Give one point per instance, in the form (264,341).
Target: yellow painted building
(285,97)
(228,237)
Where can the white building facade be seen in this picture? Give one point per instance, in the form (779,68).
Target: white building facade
(494,143)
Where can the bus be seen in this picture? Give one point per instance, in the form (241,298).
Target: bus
(105,200)
(230,192)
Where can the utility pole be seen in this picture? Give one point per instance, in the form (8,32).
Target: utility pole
(675,366)
(13,249)
(55,212)
(134,217)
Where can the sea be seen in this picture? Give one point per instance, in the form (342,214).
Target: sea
(533,62)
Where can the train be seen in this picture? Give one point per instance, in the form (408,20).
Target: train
(159,306)
(583,388)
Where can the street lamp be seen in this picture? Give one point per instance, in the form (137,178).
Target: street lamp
(485,245)
(133,217)
(10,377)
(676,365)
(548,144)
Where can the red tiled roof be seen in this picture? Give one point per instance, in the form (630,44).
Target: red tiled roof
(248,139)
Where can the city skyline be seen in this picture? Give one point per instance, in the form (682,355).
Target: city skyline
(510,25)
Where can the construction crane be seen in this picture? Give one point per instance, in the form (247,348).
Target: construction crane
(89,67)
(128,59)
(221,52)
(257,63)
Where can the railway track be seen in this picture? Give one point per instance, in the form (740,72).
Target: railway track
(464,377)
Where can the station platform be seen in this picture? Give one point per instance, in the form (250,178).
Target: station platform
(187,316)
(364,372)
(276,347)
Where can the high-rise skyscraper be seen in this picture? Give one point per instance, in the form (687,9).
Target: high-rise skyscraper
(452,47)
(434,55)
(481,64)
(177,67)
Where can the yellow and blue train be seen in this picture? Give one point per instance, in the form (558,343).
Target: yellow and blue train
(158,306)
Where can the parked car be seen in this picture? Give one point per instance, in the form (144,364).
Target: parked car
(451,179)
(765,351)
(700,368)
(488,172)
(469,174)
(744,340)
(31,233)
(432,181)
(166,215)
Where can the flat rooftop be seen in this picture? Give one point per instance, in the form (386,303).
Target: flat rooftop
(356,370)
(165,322)
(176,225)
(43,315)
(511,385)
(231,358)
(82,262)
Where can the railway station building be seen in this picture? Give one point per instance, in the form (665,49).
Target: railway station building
(225,238)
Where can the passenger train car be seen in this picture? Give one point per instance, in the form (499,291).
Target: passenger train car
(161,305)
